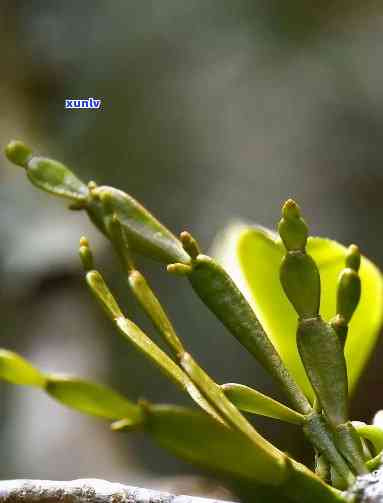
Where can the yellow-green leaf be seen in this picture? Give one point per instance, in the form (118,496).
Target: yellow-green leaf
(92,398)
(47,174)
(251,400)
(252,255)
(197,438)
(370,432)
(17,370)
(52,176)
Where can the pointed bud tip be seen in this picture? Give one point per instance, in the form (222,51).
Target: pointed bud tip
(93,277)
(92,187)
(291,209)
(84,241)
(118,425)
(190,244)
(86,256)
(179,269)
(339,322)
(18,153)
(185,237)
(292,228)
(349,292)
(353,257)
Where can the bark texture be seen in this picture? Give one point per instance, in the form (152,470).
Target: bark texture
(86,491)
(368,488)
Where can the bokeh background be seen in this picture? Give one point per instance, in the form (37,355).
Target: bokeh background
(212,110)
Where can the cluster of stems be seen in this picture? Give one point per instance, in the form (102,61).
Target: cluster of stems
(340,452)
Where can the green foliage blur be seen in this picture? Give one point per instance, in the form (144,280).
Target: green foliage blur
(212,110)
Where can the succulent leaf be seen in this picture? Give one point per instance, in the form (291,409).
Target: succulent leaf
(252,255)
(145,234)
(15,369)
(301,282)
(250,400)
(47,174)
(220,294)
(91,398)
(322,356)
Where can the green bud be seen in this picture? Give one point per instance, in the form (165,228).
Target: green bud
(47,174)
(18,153)
(348,293)
(179,269)
(86,255)
(322,356)
(291,210)
(145,234)
(353,258)
(292,228)
(300,280)
(190,245)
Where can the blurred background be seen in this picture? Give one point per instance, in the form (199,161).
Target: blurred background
(212,110)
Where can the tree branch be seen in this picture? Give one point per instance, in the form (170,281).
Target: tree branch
(85,491)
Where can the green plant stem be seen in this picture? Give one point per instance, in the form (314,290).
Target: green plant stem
(319,435)
(220,294)
(350,445)
(214,394)
(315,429)
(216,289)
